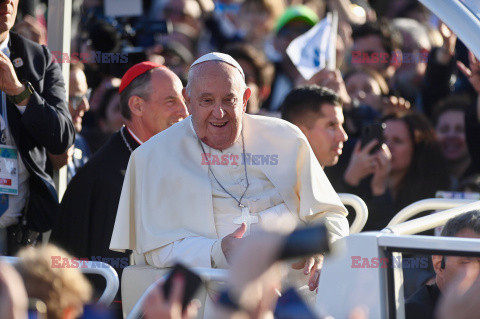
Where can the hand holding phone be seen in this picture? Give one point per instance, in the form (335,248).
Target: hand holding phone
(191,284)
(372,132)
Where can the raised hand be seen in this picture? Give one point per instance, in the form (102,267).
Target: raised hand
(156,306)
(382,165)
(231,241)
(361,164)
(9,82)
(473,74)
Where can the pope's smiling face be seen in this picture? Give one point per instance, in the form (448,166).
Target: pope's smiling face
(217,99)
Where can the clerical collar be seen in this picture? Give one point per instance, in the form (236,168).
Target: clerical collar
(134,136)
(4,46)
(129,139)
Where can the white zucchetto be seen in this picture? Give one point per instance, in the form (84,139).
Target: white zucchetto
(217,56)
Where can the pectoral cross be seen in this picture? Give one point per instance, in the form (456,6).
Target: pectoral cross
(246,218)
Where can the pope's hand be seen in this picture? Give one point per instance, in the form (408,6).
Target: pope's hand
(311,266)
(9,82)
(230,242)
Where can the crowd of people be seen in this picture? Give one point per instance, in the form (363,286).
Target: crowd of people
(187,130)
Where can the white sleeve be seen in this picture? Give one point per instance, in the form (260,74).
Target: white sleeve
(336,223)
(190,251)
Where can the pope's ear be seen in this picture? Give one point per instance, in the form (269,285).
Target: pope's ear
(246,96)
(135,104)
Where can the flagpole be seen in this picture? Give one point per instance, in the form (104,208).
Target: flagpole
(332,55)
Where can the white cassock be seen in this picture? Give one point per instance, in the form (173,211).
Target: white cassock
(172,208)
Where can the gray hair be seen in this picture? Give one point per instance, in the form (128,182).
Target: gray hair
(141,87)
(469,220)
(415,29)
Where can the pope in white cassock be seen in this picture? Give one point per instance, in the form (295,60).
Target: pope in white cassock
(194,190)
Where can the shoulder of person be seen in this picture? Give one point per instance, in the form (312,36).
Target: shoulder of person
(272,123)
(36,58)
(275,127)
(166,138)
(20,42)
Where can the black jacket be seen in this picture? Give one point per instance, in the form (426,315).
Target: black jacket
(45,125)
(422,303)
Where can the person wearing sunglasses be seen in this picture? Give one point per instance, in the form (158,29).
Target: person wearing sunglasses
(79,94)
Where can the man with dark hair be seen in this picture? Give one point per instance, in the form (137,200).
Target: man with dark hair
(151,101)
(317,111)
(378,45)
(422,303)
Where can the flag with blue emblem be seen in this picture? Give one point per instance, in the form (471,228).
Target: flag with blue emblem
(315,49)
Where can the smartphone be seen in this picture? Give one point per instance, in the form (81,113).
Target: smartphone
(291,306)
(192,284)
(371,132)
(305,242)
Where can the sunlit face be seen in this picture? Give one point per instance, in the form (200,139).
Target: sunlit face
(365,89)
(165,106)
(326,136)
(77,90)
(455,264)
(400,145)
(451,135)
(8,12)
(217,100)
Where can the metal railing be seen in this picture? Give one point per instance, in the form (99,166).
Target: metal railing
(426,205)
(91,267)
(361,211)
(207,274)
(421,224)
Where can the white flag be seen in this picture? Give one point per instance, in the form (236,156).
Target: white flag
(315,49)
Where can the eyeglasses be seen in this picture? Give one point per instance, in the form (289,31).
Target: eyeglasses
(78,99)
